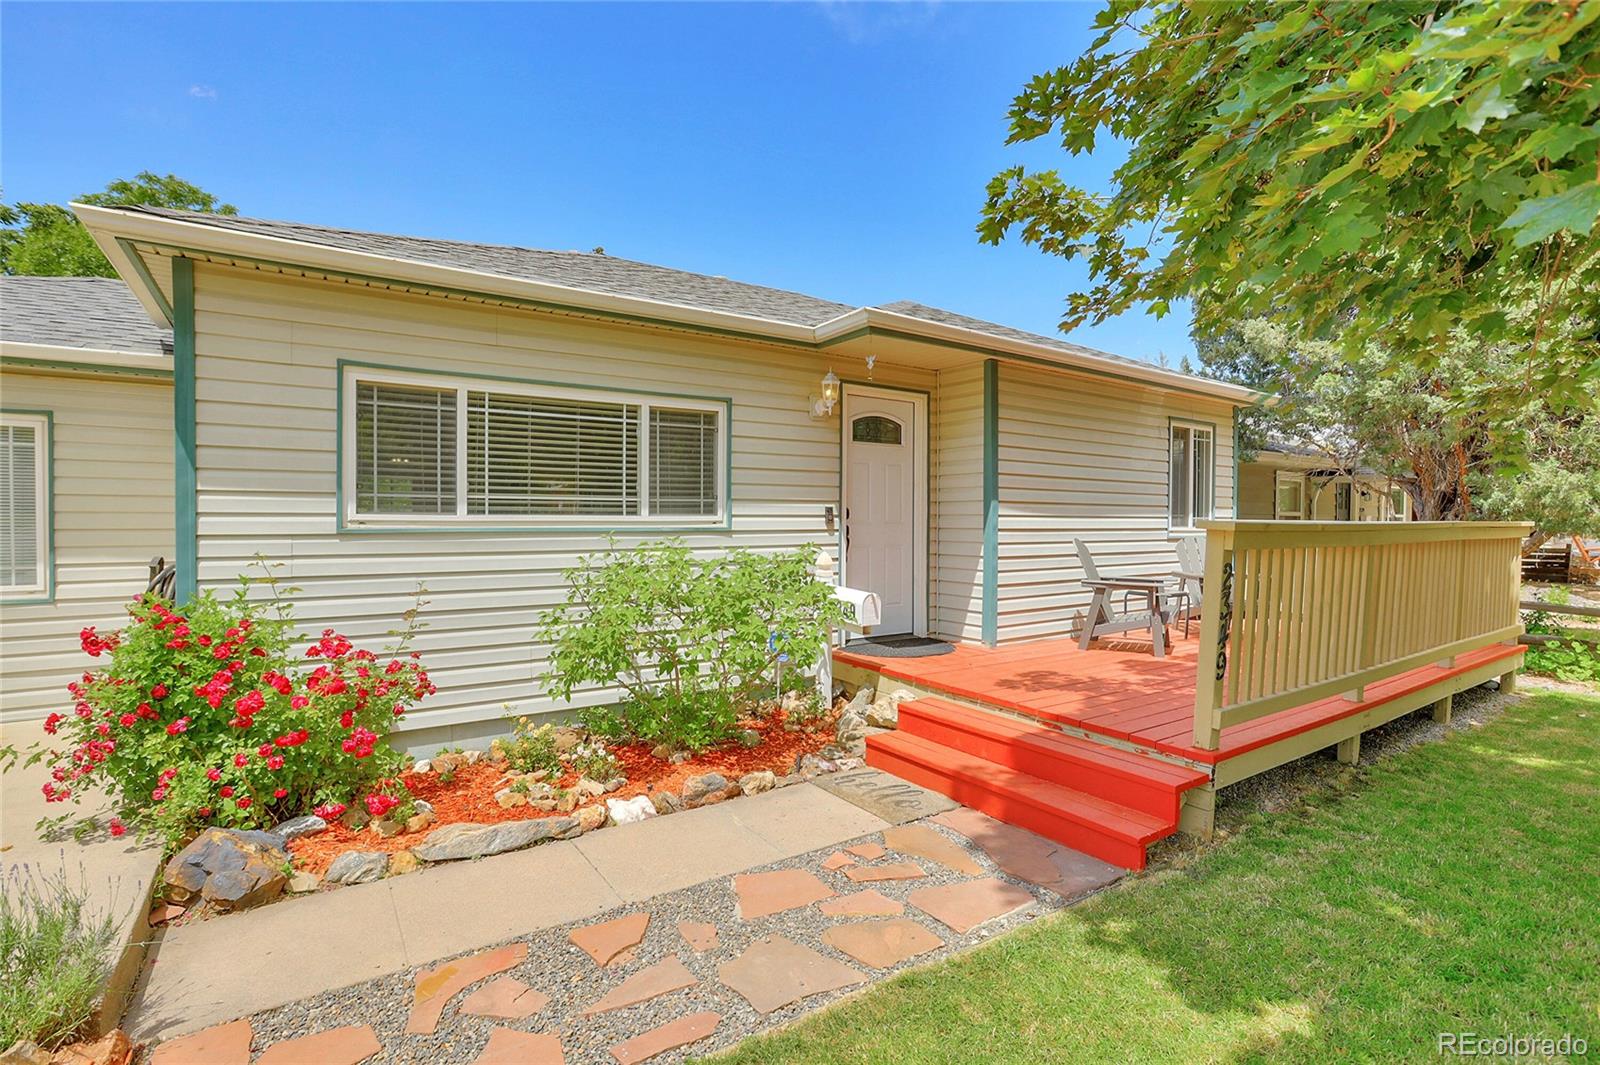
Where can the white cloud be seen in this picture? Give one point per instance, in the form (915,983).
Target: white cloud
(861,23)
(202,92)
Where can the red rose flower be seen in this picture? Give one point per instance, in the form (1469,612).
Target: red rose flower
(117,827)
(226,791)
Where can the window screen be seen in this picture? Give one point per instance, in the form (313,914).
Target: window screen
(405,449)
(22,540)
(683,461)
(1190,474)
(535,455)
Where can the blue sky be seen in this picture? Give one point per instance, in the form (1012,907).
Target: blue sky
(835,149)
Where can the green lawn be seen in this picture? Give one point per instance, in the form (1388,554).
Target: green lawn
(1454,887)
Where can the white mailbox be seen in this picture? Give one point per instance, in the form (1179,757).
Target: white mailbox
(866,609)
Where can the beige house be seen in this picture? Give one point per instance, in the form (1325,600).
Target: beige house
(1288,483)
(376,413)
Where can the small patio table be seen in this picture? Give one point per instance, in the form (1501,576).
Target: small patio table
(1103,621)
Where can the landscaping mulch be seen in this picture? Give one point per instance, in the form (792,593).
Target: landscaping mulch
(469,795)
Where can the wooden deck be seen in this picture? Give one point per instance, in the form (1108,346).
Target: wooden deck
(1120,691)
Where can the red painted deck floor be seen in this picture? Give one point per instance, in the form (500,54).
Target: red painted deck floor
(1119,689)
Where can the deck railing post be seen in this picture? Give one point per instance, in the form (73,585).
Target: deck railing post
(1216,622)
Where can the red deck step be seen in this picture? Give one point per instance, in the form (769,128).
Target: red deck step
(1136,781)
(1107,830)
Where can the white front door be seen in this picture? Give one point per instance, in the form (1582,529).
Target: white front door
(883,502)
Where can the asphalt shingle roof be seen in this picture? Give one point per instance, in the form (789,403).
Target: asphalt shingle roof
(912,309)
(78,312)
(590,271)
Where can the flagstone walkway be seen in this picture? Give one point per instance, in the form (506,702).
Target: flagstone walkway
(687,971)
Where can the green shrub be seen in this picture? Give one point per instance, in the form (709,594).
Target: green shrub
(1573,659)
(591,759)
(55,956)
(530,749)
(693,642)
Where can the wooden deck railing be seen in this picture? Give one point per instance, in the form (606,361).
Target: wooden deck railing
(1297,611)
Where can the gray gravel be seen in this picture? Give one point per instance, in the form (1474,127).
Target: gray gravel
(573,981)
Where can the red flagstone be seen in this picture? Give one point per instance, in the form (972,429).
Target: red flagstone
(163,913)
(437,986)
(506,1047)
(777,971)
(924,842)
(867,874)
(966,905)
(837,860)
(350,1045)
(761,894)
(679,1033)
(604,942)
(662,978)
(867,903)
(882,944)
(1033,858)
(700,937)
(224,1044)
(869,851)
(506,999)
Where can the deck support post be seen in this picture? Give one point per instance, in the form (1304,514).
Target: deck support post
(1508,682)
(1349,751)
(1443,708)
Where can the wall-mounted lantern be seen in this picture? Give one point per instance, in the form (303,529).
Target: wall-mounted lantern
(822,406)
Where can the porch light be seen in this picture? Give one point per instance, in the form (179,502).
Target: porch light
(823,405)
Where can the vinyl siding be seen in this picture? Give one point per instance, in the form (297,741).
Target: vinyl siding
(957,472)
(1087,458)
(111,493)
(267,350)
(1257,484)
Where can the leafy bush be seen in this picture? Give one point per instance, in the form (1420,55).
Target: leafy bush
(206,718)
(1573,658)
(55,956)
(691,641)
(591,759)
(530,749)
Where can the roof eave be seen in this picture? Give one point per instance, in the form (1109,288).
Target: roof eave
(89,360)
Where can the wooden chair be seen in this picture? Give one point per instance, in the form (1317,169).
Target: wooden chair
(1161,599)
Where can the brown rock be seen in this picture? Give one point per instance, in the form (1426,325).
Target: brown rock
(418,822)
(671,1036)
(662,978)
(385,828)
(700,937)
(509,799)
(111,1049)
(777,971)
(697,789)
(230,868)
(867,903)
(164,912)
(966,905)
(506,999)
(882,944)
(604,941)
(223,1044)
(448,763)
(591,817)
(506,1047)
(870,851)
(24,1052)
(870,874)
(302,882)
(349,1045)
(665,802)
(761,894)
(566,800)
(924,842)
(566,738)
(837,860)
(403,862)
(435,987)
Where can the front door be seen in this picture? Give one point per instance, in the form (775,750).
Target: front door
(882,498)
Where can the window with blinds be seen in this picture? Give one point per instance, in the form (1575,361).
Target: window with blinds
(1190,475)
(470,452)
(405,449)
(24,494)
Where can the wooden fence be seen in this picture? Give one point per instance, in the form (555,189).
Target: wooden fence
(1307,610)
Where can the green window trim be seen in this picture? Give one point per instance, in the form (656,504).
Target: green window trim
(991,502)
(186,519)
(47,516)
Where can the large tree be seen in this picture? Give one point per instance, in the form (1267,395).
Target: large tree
(1393,171)
(47,239)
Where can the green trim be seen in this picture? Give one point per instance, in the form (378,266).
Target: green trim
(991,502)
(186,517)
(140,268)
(1236,471)
(1174,419)
(381,529)
(99,369)
(49,515)
(927,487)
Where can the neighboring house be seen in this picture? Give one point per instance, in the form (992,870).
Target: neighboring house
(373,412)
(86,491)
(1284,482)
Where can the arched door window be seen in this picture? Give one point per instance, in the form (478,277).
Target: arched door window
(875,429)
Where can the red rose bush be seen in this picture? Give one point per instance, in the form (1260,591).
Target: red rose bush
(218,716)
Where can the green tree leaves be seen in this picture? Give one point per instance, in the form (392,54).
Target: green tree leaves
(1395,171)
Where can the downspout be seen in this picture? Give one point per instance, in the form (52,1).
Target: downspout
(186,522)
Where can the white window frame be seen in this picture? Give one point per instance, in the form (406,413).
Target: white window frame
(39,422)
(1281,478)
(1402,513)
(1210,430)
(355,376)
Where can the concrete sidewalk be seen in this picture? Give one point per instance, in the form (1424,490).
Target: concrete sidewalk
(117,874)
(210,971)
